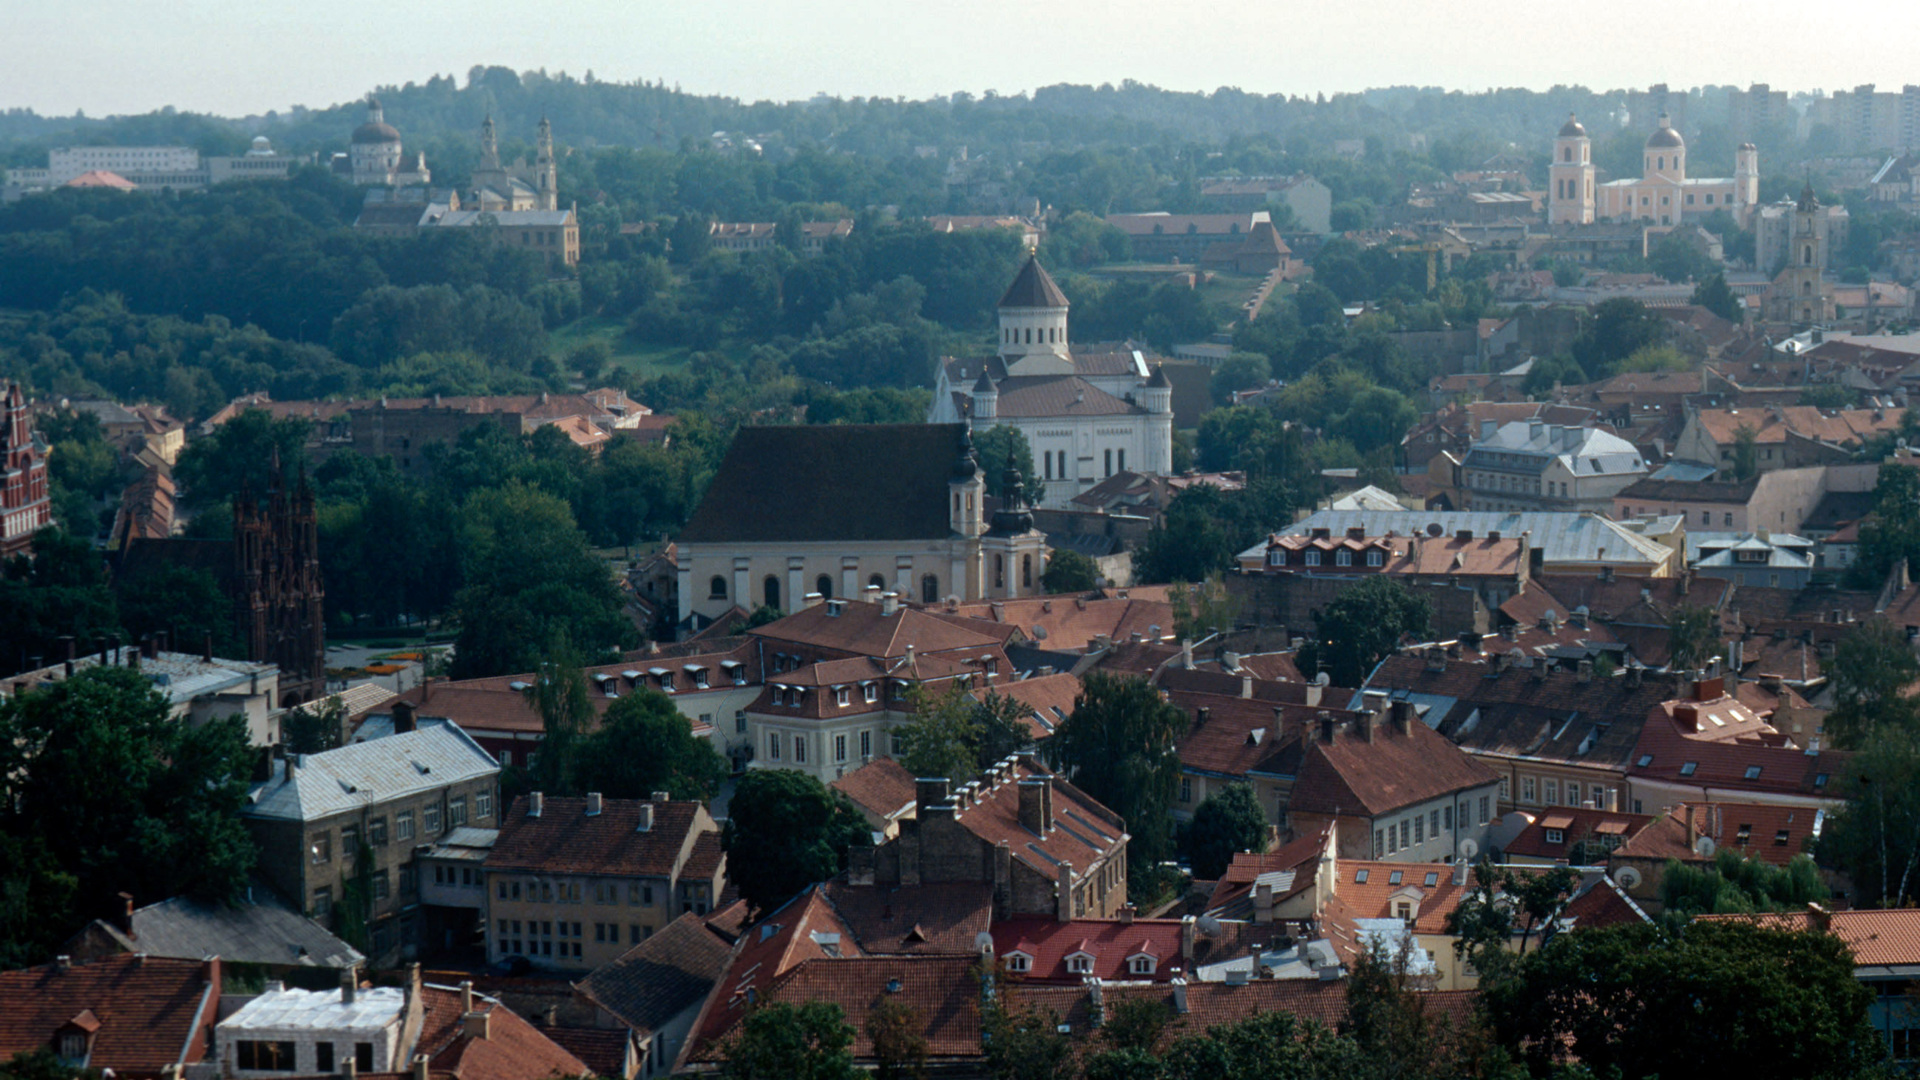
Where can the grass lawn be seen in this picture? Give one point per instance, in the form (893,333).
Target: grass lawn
(644,359)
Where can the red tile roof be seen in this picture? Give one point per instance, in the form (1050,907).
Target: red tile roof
(882,787)
(1772,834)
(802,929)
(942,918)
(1878,937)
(1049,699)
(150,1013)
(943,991)
(1083,834)
(1047,944)
(1574,824)
(1066,624)
(512,1049)
(1232,897)
(862,629)
(1696,753)
(564,839)
(1388,882)
(1394,768)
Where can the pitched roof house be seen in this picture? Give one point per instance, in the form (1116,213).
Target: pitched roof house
(142,1017)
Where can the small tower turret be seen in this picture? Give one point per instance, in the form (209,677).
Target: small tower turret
(546,171)
(986,399)
(1033,324)
(1746,181)
(489,146)
(966,490)
(1570,198)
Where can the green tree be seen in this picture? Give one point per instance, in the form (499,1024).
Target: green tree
(1892,532)
(1871,671)
(1678,260)
(558,693)
(97,774)
(993,447)
(1224,825)
(954,736)
(1736,884)
(645,745)
(315,727)
(529,577)
(186,601)
(1192,544)
(779,1041)
(1203,609)
(43,1065)
(899,1047)
(1240,371)
(1068,571)
(239,456)
(785,831)
(1746,454)
(1714,294)
(1024,1044)
(1119,747)
(1612,331)
(1713,998)
(1266,1045)
(1693,637)
(1362,626)
(1875,837)
(61,591)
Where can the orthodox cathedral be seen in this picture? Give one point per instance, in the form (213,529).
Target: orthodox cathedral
(1664,194)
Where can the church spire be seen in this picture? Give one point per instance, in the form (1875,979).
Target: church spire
(489,146)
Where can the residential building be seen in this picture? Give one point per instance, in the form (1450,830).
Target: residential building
(1085,415)
(1564,543)
(1574,836)
(573,883)
(261,929)
(1040,950)
(1245,730)
(1046,847)
(1392,787)
(655,990)
(1777,499)
(1760,110)
(198,688)
(1709,746)
(1532,465)
(153,168)
(26,503)
(1784,436)
(469,1036)
(1161,237)
(452,876)
(551,234)
(144,1017)
(1030,230)
(1664,194)
(1693,834)
(1466,576)
(318,818)
(829,509)
(1775,560)
(1310,201)
(743,236)
(320,1032)
(882,790)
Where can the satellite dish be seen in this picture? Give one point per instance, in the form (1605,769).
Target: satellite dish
(1323,679)
(1468,849)
(1209,926)
(1039,633)
(1704,847)
(1627,878)
(983,942)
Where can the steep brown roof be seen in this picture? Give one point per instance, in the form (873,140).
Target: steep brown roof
(882,787)
(830,482)
(1033,287)
(146,1013)
(1049,699)
(1772,834)
(942,991)
(511,1050)
(1058,395)
(661,977)
(1083,832)
(1573,824)
(565,840)
(856,628)
(1394,768)
(942,918)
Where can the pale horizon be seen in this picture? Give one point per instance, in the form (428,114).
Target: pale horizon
(234,58)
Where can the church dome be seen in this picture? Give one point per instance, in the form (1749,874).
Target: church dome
(1572,129)
(1664,135)
(375,132)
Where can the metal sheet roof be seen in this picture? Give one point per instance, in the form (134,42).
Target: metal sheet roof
(360,774)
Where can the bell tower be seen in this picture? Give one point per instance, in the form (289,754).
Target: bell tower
(1570,200)
(546,172)
(1033,324)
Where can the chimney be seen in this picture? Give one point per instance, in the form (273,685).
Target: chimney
(123,918)
(1326,727)
(1127,913)
(1187,926)
(206,648)
(930,790)
(1186,653)
(1201,715)
(349,984)
(1180,994)
(1263,903)
(1402,713)
(1693,831)
(420,1067)
(645,824)
(474,1025)
(63,962)
(1246,686)
(812,599)
(871,594)
(890,603)
(1063,911)
(536,802)
(1033,804)
(403,717)
(1820,918)
(466,997)
(594,804)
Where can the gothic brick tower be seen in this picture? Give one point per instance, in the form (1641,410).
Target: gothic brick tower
(280,602)
(25,507)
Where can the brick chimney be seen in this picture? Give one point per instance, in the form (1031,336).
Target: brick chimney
(536,802)
(1034,800)
(403,717)
(930,790)
(1402,713)
(595,803)
(1064,900)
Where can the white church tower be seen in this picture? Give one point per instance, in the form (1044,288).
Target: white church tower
(1033,324)
(1570,202)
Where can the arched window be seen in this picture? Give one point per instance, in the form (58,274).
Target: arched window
(1806,255)
(770,591)
(1026,571)
(1566,153)
(877,582)
(717,588)
(999,572)
(929,589)
(1806,288)
(1663,163)
(824,586)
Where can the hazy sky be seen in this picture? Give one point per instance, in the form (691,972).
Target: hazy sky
(244,56)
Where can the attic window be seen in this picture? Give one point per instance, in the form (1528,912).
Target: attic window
(1753,772)
(1556,836)
(1745,835)
(841,695)
(1645,760)
(870,692)
(1687,768)
(1820,780)
(1141,965)
(1433,878)
(1780,838)
(1360,877)
(1395,877)
(1080,964)
(1018,961)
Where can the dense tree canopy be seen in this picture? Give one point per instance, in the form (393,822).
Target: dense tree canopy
(1362,626)
(1118,747)
(785,831)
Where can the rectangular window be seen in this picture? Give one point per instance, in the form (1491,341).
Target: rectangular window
(320,848)
(1553,792)
(773,746)
(1123,459)
(482,805)
(800,749)
(1419,828)
(1527,790)
(264,1056)
(1573,793)
(1109,458)
(1433,824)
(377,832)
(349,842)
(322,902)
(1186,789)
(456,811)
(363,1056)
(1506,788)
(1484,815)
(1379,844)
(380,885)
(1405,825)
(866,744)
(323,1057)
(430,819)
(839,748)
(740,721)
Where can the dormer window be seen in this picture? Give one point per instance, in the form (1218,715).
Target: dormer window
(1019,962)
(1313,558)
(1376,558)
(1556,836)
(869,693)
(73,1046)
(1080,963)
(1343,557)
(1141,964)
(841,695)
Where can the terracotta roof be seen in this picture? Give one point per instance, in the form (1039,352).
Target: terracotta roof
(1242,735)
(101,178)
(1598,901)
(1432,556)
(1033,287)
(1065,623)
(565,840)
(830,482)
(1290,870)
(1878,937)
(706,859)
(856,628)
(602,1050)
(1690,754)
(1573,824)
(1388,882)
(1374,775)
(802,929)
(1049,699)
(882,787)
(151,1012)
(1771,425)
(943,991)
(1084,832)
(1110,943)
(941,918)
(1772,834)
(1211,225)
(661,977)
(1613,701)
(512,1049)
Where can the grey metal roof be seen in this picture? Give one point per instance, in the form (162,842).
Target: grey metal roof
(1562,537)
(464,218)
(261,929)
(1581,450)
(318,785)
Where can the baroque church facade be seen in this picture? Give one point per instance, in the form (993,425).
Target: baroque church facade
(375,157)
(1085,414)
(1663,195)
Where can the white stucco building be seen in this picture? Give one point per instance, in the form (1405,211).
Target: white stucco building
(1530,465)
(1085,415)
